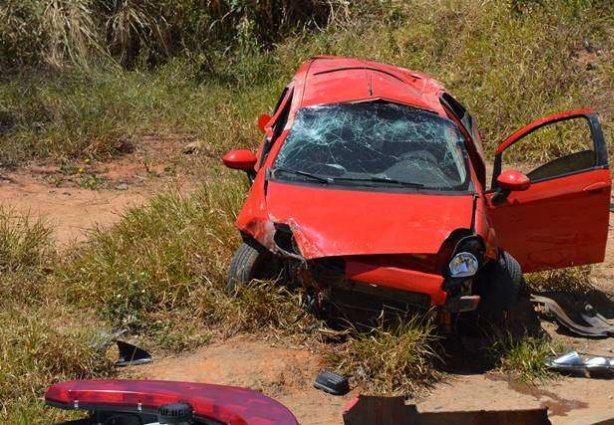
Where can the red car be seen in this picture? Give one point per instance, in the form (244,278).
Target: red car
(371,184)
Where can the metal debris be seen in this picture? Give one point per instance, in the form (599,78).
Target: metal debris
(573,362)
(596,325)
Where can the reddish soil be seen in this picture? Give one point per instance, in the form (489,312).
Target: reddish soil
(80,195)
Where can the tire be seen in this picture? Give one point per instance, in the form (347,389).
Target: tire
(499,286)
(248,262)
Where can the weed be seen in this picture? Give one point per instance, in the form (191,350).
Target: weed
(525,358)
(90,181)
(391,360)
(574,280)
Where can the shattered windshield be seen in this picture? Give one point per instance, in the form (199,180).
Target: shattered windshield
(373,143)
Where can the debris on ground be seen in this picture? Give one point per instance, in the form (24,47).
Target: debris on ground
(595,326)
(122,186)
(366,410)
(131,355)
(574,363)
(332,383)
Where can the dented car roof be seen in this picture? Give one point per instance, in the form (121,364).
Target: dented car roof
(332,79)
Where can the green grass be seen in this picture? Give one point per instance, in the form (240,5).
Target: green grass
(398,359)
(508,69)
(524,358)
(574,280)
(44,340)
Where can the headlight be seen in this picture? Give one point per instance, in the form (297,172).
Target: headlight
(463,264)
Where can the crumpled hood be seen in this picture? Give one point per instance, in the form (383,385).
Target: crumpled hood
(340,222)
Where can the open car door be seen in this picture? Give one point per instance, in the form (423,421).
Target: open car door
(561,220)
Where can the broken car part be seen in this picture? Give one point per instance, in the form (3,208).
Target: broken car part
(131,355)
(380,170)
(572,362)
(369,410)
(128,354)
(145,402)
(596,327)
(332,383)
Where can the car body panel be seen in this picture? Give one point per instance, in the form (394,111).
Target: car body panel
(556,223)
(228,405)
(331,222)
(561,221)
(338,79)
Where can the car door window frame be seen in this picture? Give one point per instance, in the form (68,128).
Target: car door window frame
(599,146)
(282,113)
(458,113)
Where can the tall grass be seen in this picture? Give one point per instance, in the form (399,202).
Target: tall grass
(508,67)
(396,359)
(43,339)
(72,33)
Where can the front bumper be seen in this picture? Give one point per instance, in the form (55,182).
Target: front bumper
(396,281)
(399,279)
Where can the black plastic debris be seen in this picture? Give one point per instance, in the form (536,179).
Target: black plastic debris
(332,383)
(595,326)
(131,355)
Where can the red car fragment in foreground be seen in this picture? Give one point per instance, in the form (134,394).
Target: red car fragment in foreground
(371,179)
(211,404)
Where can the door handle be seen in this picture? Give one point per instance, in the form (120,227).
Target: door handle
(596,187)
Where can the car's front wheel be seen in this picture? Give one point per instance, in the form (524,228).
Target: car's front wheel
(499,286)
(250,261)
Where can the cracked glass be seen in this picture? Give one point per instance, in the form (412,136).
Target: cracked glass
(373,143)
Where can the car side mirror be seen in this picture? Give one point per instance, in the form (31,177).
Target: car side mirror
(263,120)
(510,181)
(240,159)
(513,181)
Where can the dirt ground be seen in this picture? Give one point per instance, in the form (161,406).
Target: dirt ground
(78,196)
(75,197)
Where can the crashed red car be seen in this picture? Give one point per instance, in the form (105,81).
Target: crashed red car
(371,177)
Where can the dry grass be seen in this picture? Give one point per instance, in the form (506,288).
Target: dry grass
(575,280)
(524,358)
(395,359)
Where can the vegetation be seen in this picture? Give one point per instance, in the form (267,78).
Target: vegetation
(82,77)
(525,358)
(398,359)
(43,339)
